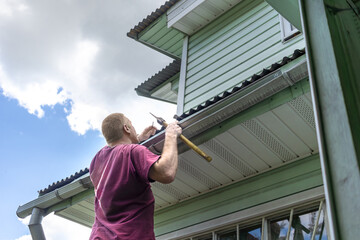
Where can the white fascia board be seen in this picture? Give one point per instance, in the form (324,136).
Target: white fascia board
(58,195)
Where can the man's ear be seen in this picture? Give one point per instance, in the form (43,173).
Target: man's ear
(126,128)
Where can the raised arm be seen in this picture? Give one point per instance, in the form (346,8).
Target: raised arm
(164,170)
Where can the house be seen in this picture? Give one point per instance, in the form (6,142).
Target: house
(251,96)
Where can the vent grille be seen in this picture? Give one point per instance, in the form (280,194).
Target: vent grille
(229,157)
(304,110)
(171,190)
(268,139)
(197,174)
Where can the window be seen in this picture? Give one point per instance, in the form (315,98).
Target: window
(250,233)
(302,226)
(299,223)
(288,30)
(228,235)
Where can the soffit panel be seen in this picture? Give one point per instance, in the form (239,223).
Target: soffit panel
(257,145)
(159,36)
(163,85)
(165,93)
(81,212)
(189,16)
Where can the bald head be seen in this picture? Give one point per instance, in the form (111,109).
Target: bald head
(112,127)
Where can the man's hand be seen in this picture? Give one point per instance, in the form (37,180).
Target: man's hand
(164,170)
(149,131)
(173,129)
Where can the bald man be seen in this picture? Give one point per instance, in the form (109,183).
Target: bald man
(121,173)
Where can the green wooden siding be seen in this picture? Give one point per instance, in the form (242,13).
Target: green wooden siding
(159,36)
(290,179)
(231,49)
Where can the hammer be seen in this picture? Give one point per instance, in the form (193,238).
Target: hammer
(162,122)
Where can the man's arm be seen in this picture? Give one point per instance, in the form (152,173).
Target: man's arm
(164,170)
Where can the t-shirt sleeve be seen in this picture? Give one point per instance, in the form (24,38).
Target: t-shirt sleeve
(143,159)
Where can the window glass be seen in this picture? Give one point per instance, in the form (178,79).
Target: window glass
(302,227)
(287,29)
(278,229)
(253,233)
(227,236)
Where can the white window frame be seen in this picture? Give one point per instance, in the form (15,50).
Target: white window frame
(287,29)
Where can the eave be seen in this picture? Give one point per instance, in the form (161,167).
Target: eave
(189,16)
(238,131)
(211,116)
(154,32)
(58,195)
(161,85)
(289,10)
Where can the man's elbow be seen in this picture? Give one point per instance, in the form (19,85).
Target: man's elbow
(168,178)
(161,174)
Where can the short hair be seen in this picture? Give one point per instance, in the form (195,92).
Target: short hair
(112,127)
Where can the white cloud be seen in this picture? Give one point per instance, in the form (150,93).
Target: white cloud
(77,66)
(85,116)
(33,95)
(67,52)
(9,7)
(25,237)
(58,228)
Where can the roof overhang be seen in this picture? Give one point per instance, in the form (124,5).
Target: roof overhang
(163,85)
(288,9)
(59,195)
(154,32)
(232,105)
(236,131)
(189,16)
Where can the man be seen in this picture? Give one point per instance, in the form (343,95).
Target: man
(121,173)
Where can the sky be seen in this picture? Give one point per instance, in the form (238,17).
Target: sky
(64,66)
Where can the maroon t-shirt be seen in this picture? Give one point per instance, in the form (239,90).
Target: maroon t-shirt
(124,202)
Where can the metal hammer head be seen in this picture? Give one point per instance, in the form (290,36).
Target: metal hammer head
(160,120)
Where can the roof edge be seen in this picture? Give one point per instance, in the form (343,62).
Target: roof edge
(134,32)
(145,88)
(56,196)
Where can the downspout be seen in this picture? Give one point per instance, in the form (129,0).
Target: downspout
(36,230)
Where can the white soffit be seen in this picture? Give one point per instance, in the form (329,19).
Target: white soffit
(165,93)
(270,140)
(81,212)
(189,16)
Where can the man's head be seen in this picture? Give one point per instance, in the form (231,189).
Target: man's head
(116,127)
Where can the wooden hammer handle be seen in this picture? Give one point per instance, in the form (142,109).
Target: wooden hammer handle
(192,145)
(195,148)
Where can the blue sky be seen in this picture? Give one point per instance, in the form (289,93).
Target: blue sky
(34,153)
(64,66)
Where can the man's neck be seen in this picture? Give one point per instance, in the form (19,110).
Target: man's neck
(121,141)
